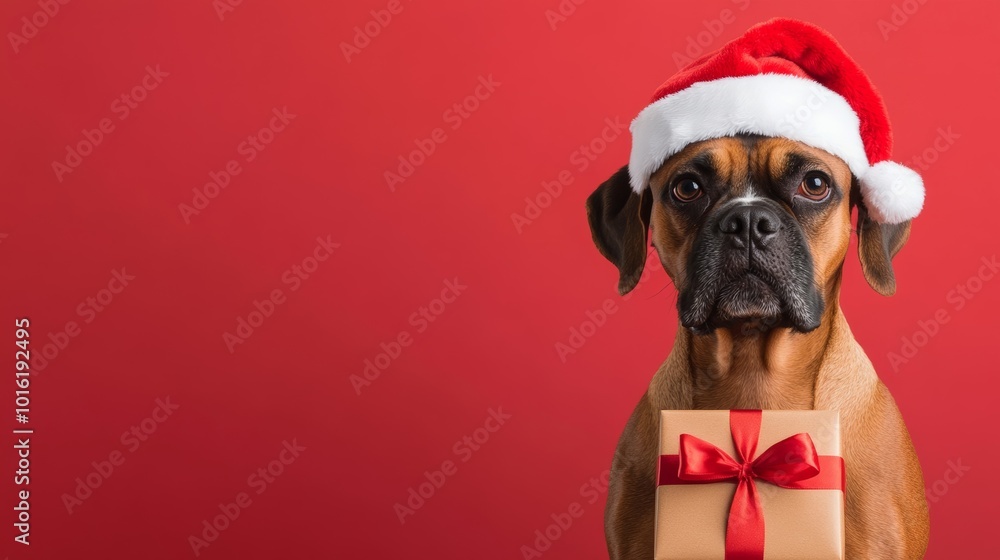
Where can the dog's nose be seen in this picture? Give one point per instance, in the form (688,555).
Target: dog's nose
(750,224)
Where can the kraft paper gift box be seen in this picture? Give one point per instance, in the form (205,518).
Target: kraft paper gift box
(750,484)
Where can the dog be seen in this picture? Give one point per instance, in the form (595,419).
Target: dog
(753,231)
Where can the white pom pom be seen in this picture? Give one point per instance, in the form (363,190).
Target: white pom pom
(892,193)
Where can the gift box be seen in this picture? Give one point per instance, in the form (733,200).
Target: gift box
(750,485)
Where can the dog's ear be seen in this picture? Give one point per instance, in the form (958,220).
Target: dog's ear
(877,245)
(619,222)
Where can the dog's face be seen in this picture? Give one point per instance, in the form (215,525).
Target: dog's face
(752,230)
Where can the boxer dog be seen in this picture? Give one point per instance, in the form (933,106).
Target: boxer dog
(753,231)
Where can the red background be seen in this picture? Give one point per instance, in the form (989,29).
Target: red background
(495,345)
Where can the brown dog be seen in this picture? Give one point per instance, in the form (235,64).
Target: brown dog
(753,231)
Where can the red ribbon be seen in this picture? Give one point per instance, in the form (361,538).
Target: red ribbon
(791,463)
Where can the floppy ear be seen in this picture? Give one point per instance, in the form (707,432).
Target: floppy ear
(877,245)
(619,221)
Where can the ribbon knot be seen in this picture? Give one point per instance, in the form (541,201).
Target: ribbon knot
(791,463)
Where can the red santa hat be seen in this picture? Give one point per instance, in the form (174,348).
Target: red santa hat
(782,78)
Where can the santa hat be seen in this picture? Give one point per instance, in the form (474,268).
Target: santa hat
(788,79)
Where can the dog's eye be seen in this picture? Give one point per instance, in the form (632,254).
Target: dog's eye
(814,187)
(687,190)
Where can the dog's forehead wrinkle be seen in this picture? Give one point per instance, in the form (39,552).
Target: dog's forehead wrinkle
(747,158)
(704,162)
(796,162)
(750,140)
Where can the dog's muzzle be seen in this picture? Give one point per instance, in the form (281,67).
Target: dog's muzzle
(750,266)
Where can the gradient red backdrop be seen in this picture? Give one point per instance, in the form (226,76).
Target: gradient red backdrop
(480,300)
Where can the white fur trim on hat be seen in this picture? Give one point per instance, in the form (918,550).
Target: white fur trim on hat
(892,193)
(771,105)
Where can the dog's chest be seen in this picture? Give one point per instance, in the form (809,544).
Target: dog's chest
(751,388)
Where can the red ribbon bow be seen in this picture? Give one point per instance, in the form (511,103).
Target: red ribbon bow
(791,463)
